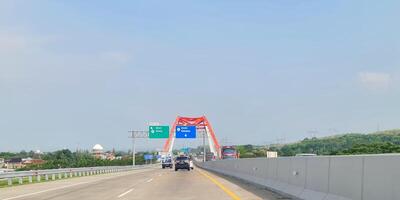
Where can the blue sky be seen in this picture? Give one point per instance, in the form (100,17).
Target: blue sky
(76,73)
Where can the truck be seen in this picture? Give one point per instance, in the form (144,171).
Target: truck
(229,152)
(272,154)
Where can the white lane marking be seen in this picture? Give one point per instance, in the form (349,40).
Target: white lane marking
(125,193)
(81,183)
(150,180)
(30,194)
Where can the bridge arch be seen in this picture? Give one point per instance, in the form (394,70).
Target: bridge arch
(202,124)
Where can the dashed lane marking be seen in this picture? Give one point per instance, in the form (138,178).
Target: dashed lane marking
(150,180)
(125,193)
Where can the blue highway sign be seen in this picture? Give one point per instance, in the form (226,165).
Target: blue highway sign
(185,132)
(148,156)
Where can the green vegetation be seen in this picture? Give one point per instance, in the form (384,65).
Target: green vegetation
(375,143)
(67,159)
(250,151)
(22,154)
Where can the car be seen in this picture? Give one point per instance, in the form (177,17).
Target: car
(167,162)
(182,162)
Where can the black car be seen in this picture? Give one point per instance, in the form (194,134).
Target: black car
(182,162)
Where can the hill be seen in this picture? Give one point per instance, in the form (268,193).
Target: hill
(353,143)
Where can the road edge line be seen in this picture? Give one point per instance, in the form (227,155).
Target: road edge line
(220,185)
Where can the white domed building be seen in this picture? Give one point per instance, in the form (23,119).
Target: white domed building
(97,152)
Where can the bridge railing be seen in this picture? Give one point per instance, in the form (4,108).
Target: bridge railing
(53,174)
(358,177)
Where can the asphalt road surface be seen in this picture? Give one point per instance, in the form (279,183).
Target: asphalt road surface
(141,184)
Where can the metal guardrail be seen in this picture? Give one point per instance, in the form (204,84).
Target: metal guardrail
(64,173)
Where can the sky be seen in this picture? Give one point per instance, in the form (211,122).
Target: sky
(76,73)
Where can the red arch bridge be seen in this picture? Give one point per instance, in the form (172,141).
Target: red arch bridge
(201,124)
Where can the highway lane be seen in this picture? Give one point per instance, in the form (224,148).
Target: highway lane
(152,183)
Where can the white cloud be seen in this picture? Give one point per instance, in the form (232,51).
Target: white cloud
(375,80)
(12,42)
(15,42)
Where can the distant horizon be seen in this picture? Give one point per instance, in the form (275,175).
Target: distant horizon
(175,148)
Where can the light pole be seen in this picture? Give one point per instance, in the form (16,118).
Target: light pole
(133,150)
(134,135)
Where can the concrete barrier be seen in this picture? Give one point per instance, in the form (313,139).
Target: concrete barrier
(361,177)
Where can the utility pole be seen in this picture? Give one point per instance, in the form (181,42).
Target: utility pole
(134,135)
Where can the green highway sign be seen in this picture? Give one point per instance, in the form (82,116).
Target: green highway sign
(158,131)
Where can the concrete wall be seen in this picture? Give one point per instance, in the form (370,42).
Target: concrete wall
(364,177)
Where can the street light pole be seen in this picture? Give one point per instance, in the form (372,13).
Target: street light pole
(134,135)
(133,150)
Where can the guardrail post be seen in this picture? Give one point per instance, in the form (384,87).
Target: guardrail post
(30,179)
(46,177)
(38,178)
(20,180)
(65,175)
(70,174)
(75,174)
(59,176)
(53,177)
(9,181)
